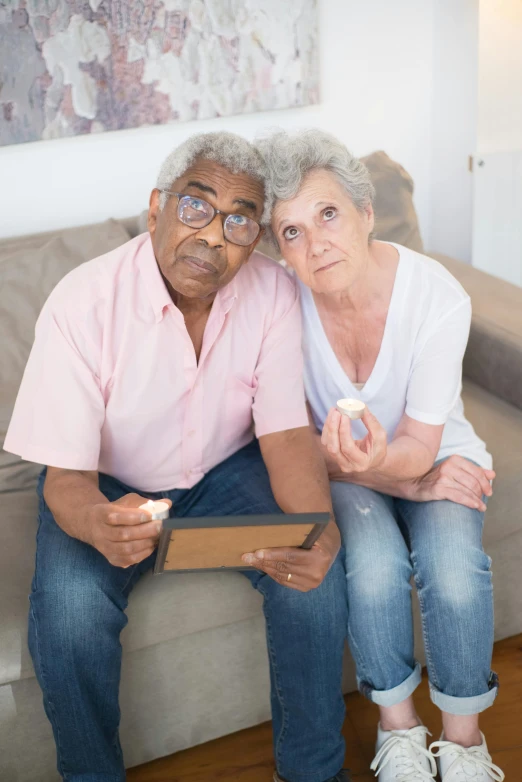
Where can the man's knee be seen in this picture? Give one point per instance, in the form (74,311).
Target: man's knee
(72,609)
(323,606)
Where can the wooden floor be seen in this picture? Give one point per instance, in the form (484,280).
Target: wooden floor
(247,756)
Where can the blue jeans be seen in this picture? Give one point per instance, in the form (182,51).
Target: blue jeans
(386,541)
(77,613)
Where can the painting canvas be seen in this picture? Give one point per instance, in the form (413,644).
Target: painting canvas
(69,67)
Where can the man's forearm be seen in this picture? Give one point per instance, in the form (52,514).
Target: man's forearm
(298,475)
(70,495)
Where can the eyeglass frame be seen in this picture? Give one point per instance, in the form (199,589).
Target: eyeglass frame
(226,215)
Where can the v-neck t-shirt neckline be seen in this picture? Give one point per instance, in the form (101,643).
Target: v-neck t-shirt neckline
(364,391)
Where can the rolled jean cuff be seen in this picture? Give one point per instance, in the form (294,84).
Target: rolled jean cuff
(465,707)
(396,694)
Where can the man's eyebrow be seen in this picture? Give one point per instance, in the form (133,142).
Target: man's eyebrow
(251,205)
(201,186)
(247,204)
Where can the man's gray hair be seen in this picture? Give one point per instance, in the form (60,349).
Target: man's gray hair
(232,152)
(290,157)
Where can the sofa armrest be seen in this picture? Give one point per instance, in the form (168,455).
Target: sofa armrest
(493,358)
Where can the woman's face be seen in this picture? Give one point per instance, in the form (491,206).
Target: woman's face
(322,235)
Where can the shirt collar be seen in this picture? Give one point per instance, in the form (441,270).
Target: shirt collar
(158,293)
(227,295)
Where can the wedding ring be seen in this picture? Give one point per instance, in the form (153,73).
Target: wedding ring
(289,577)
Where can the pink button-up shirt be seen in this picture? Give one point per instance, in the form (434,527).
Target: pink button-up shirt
(112,382)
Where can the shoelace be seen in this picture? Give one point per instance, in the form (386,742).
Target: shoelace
(474,757)
(404,749)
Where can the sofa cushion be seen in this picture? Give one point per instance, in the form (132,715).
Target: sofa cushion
(499,424)
(161,608)
(28,273)
(87,238)
(395,215)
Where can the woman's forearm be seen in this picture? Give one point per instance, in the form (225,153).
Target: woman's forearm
(406,460)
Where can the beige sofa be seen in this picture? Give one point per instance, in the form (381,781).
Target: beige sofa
(195,665)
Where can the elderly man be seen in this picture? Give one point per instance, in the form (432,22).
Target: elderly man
(148,367)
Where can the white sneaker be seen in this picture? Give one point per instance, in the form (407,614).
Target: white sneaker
(402,756)
(458,764)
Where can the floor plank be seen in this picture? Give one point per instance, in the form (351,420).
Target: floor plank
(247,756)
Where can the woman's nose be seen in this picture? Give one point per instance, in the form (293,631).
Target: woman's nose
(318,245)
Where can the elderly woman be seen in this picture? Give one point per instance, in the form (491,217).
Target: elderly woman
(410,482)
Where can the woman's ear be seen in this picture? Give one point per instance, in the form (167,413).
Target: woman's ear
(370,218)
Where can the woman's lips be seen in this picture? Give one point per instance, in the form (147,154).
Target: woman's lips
(328,266)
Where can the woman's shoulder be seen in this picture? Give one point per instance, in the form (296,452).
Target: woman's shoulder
(431,281)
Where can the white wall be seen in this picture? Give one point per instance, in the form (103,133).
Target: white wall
(376,68)
(500,76)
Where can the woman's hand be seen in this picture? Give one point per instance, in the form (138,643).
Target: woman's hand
(455,479)
(354,456)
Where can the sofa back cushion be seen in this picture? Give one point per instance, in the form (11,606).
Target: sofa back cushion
(395,215)
(29,270)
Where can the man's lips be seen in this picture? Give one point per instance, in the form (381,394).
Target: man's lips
(197,263)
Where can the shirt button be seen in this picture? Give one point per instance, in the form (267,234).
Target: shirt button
(192,433)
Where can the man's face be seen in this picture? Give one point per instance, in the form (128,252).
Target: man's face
(196,262)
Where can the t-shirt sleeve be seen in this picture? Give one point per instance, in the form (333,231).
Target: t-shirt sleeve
(59,411)
(279,401)
(436,377)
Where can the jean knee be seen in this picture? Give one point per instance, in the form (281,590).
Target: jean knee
(323,606)
(73,610)
(375,584)
(459,576)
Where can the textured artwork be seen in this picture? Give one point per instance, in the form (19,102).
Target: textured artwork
(84,66)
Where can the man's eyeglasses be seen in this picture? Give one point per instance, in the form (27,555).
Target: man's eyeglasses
(197,213)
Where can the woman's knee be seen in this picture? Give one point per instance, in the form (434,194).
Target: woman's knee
(457,575)
(376,557)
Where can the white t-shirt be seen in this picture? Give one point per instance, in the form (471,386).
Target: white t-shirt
(419,366)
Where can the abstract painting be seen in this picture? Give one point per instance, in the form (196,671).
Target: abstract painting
(69,67)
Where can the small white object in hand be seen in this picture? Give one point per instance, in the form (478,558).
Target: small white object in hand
(353,408)
(159,510)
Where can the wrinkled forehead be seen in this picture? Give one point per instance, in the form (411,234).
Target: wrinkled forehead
(217,183)
(317,187)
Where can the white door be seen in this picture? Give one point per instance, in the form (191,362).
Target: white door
(497,215)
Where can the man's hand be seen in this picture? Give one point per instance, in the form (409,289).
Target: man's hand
(123,533)
(307,567)
(455,479)
(354,456)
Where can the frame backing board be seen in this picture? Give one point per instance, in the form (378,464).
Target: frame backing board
(218,542)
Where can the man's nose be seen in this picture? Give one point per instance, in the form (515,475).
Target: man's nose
(212,234)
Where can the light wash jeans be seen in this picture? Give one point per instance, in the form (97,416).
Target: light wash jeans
(386,541)
(78,604)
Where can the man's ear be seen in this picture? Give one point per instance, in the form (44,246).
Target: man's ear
(154,210)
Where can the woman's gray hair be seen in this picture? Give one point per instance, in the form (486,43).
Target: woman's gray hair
(291,156)
(232,152)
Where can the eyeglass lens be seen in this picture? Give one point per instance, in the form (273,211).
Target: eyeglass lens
(197,213)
